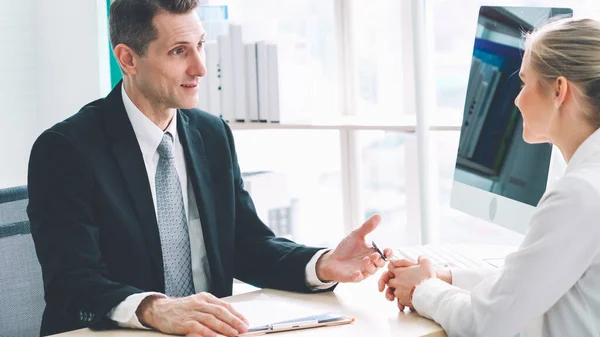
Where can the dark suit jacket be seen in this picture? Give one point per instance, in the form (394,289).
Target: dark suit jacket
(94,225)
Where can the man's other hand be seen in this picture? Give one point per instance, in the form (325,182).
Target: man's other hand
(200,315)
(353,260)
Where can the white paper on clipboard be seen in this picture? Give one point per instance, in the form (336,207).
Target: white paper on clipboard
(271,314)
(264,310)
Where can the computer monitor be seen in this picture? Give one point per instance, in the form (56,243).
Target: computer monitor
(498,177)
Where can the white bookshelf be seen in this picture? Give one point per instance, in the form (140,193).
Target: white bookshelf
(347,123)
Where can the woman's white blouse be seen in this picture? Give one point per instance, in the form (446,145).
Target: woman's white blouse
(551,285)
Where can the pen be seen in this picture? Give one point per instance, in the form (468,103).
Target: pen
(394,257)
(283,326)
(378,251)
(293,325)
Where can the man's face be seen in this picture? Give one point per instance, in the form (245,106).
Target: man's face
(169,75)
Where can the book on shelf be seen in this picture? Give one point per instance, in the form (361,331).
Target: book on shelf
(238,62)
(251,82)
(242,80)
(262,70)
(273,83)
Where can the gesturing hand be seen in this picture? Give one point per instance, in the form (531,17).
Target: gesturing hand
(353,259)
(200,315)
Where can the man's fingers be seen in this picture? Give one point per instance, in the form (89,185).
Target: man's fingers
(368,226)
(368,267)
(388,252)
(217,325)
(195,329)
(383,280)
(224,316)
(377,260)
(214,300)
(237,313)
(356,276)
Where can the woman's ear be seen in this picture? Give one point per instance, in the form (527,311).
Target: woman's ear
(561,87)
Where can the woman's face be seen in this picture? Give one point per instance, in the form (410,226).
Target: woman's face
(536,104)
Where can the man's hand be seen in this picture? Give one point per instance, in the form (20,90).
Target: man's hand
(353,259)
(200,315)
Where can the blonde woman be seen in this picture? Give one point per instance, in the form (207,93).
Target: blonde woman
(551,285)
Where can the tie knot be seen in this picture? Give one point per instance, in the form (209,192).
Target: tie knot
(165,148)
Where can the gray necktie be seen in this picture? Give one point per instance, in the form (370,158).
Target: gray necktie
(172,224)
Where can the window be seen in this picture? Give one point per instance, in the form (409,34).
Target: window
(379,46)
(383,191)
(453,45)
(295,181)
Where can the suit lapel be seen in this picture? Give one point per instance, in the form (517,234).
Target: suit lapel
(200,176)
(129,157)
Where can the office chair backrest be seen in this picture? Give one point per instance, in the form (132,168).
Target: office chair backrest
(21,286)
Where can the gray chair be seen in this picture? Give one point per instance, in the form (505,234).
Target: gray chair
(21,286)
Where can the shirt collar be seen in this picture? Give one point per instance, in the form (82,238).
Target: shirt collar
(589,147)
(148,134)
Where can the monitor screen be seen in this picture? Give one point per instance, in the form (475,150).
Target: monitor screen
(499,177)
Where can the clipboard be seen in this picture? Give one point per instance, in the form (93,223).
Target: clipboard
(316,321)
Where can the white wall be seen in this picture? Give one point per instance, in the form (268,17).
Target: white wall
(18,88)
(72,36)
(53,60)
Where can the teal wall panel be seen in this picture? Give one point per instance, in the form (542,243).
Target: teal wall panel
(115,71)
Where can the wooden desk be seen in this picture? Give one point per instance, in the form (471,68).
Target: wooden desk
(375,316)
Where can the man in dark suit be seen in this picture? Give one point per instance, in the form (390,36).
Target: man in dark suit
(137,206)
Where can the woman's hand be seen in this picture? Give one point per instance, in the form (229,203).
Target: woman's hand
(404,276)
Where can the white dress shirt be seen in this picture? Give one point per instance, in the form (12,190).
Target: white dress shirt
(149,136)
(551,285)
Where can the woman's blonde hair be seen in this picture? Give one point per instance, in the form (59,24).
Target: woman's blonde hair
(570,48)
